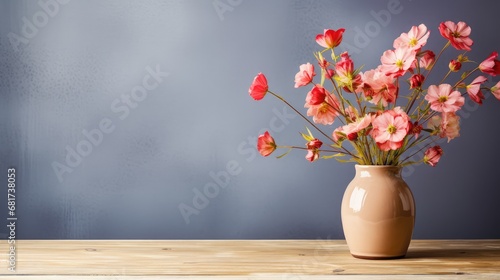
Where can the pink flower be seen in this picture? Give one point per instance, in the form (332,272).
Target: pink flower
(313,149)
(259,87)
(432,155)
(474,89)
(344,70)
(496,90)
(443,99)
(416,81)
(352,129)
(457,34)
(266,144)
(414,39)
(491,65)
(305,75)
(330,38)
(397,62)
(455,65)
(427,60)
(390,128)
(378,87)
(325,112)
(450,126)
(316,96)
(447,125)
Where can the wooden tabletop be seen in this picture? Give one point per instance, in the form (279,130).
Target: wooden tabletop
(244,259)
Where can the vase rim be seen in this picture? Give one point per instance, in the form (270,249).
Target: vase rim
(377,166)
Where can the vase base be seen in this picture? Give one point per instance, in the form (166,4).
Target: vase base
(378,257)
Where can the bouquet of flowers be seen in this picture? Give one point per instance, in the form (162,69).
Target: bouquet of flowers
(378,126)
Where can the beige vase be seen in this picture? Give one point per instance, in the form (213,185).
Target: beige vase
(378,213)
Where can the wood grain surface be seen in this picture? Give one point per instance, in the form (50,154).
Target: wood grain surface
(245,259)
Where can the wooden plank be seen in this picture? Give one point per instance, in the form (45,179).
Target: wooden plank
(244,259)
(286,277)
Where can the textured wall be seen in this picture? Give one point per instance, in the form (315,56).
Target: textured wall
(153,95)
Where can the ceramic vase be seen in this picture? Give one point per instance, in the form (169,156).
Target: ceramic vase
(378,213)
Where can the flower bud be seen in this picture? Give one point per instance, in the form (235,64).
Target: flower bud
(427,60)
(432,155)
(496,90)
(416,81)
(455,65)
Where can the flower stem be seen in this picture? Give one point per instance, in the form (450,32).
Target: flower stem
(319,150)
(311,123)
(465,77)
(416,93)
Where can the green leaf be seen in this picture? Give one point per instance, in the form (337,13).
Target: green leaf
(286,153)
(356,71)
(408,163)
(306,137)
(320,55)
(464,75)
(349,102)
(346,160)
(310,133)
(332,156)
(338,146)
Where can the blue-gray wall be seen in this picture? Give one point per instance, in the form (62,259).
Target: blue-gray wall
(75,67)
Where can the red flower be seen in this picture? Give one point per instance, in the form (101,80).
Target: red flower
(457,34)
(316,96)
(432,155)
(325,112)
(259,87)
(330,38)
(266,144)
(313,149)
(490,65)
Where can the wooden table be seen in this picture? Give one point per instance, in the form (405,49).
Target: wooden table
(244,259)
